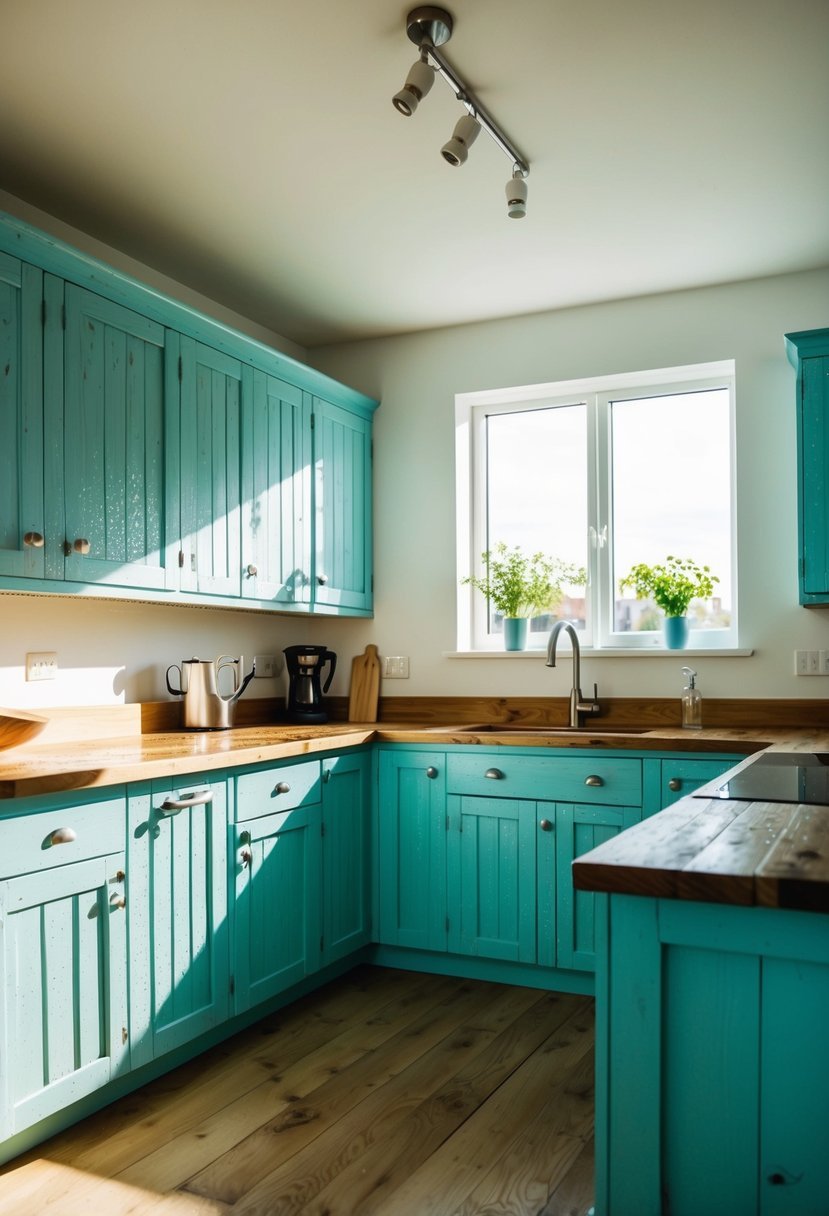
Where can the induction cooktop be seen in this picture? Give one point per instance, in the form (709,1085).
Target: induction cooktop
(780,777)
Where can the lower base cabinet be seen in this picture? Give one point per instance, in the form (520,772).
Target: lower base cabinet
(63,956)
(177,899)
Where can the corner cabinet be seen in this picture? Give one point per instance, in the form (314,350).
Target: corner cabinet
(809,353)
(148,450)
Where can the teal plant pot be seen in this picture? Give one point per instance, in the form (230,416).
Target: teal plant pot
(676,632)
(516,629)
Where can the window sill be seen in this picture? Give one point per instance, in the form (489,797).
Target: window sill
(608,653)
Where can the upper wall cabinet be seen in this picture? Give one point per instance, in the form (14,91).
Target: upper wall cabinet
(22,524)
(147,449)
(809,353)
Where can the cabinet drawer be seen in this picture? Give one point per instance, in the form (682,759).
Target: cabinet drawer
(599,779)
(281,788)
(44,839)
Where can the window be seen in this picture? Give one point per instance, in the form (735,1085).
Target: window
(601,475)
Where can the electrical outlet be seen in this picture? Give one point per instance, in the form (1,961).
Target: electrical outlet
(396,667)
(41,665)
(811,662)
(267,666)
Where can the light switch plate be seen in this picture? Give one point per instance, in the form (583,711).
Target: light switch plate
(41,665)
(396,667)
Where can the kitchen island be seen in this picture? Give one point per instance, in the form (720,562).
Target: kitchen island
(712,985)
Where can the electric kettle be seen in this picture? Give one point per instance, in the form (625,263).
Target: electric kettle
(204,706)
(305,664)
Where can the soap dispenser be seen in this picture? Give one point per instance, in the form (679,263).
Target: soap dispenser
(691,701)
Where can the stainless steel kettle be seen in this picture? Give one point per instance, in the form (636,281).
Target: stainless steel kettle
(204,706)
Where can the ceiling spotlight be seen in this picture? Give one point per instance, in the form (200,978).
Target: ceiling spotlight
(516,191)
(419,81)
(456,150)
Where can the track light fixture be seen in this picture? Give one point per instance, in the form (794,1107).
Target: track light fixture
(429,28)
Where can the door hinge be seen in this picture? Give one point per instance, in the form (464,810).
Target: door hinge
(63,316)
(313,421)
(181,559)
(232,985)
(180,369)
(42,312)
(124,1034)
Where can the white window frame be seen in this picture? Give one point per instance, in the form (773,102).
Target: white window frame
(471,412)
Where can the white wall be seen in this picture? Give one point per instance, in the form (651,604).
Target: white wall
(417,377)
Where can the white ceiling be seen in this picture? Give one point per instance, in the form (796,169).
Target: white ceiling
(249,148)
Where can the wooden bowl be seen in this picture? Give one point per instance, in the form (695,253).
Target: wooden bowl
(18,726)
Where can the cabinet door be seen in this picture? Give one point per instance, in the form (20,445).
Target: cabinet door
(491,868)
(276,484)
(21,419)
(177,875)
(814,464)
(276,930)
(345,855)
(682,776)
(411,850)
(578,830)
(113,432)
(63,1019)
(209,462)
(342,508)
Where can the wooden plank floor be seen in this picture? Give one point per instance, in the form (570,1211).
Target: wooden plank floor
(386,1093)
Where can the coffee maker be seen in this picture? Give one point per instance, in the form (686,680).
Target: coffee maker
(305,664)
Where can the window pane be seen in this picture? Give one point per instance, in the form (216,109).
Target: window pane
(671,492)
(537,481)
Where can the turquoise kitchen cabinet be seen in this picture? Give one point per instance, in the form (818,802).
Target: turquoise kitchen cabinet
(112,424)
(682,775)
(578,829)
(346,855)
(277,519)
(178,931)
(63,955)
(342,571)
(809,353)
(22,523)
(411,849)
(495,847)
(208,423)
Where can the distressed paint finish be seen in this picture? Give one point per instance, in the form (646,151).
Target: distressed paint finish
(64,987)
(411,849)
(346,854)
(113,443)
(690,773)
(21,417)
(342,508)
(177,877)
(276,490)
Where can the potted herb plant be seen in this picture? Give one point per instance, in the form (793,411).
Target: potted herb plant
(521,586)
(672,585)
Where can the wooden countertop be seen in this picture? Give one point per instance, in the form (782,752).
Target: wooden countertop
(79,763)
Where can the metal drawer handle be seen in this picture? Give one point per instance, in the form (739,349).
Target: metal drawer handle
(117,901)
(594,780)
(431,771)
(675,784)
(33,540)
(172,806)
(494,774)
(62,836)
(282,787)
(546,825)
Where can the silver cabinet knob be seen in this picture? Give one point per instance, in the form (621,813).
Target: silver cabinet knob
(431,771)
(62,836)
(81,545)
(594,780)
(494,774)
(246,857)
(322,579)
(281,787)
(251,571)
(117,901)
(675,784)
(33,540)
(546,825)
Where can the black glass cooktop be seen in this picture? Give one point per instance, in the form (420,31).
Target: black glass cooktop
(780,777)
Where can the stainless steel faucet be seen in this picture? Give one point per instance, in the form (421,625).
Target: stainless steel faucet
(578,707)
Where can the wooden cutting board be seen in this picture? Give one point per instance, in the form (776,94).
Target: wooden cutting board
(364,692)
(16,726)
